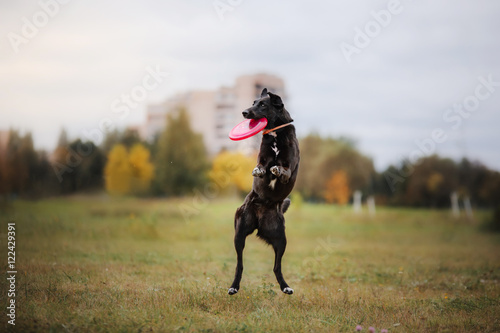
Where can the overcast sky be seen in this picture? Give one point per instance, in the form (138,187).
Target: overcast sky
(388,85)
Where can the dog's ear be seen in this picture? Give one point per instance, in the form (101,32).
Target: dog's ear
(276,100)
(263,93)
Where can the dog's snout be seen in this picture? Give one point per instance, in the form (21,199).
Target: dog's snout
(245,113)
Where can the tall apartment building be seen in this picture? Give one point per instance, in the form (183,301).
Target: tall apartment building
(215,113)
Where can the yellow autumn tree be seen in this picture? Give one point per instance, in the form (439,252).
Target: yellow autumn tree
(118,171)
(337,188)
(128,172)
(141,167)
(232,170)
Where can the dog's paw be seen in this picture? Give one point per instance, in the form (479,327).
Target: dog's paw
(288,290)
(275,170)
(233,291)
(281,173)
(284,178)
(258,172)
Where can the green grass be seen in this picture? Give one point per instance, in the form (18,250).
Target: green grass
(101,264)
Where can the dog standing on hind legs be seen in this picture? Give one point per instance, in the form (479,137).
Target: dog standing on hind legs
(274,178)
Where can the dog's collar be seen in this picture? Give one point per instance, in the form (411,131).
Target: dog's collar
(276,128)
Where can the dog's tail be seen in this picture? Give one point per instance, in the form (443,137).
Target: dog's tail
(286,204)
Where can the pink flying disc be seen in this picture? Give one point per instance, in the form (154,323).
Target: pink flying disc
(247,128)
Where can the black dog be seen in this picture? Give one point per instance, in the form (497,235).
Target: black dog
(275,175)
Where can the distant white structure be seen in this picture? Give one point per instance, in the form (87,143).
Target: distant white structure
(455,209)
(356,205)
(468,208)
(370,202)
(215,113)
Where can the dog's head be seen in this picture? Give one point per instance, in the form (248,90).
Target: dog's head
(269,106)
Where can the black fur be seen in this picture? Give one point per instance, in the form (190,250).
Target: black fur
(274,178)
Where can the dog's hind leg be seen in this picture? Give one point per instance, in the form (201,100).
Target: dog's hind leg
(239,245)
(243,228)
(279,246)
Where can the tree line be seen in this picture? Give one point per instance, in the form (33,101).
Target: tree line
(176,163)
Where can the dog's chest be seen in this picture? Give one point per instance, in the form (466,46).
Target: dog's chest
(274,145)
(275,149)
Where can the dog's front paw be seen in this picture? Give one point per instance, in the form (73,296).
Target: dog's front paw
(281,173)
(233,291)
(288,290)
(258,172)
(275,170)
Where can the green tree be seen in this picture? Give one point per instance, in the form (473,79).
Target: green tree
(4,188)
(181,163)
(322,157)
(20,159)
(91,170)
(128,138)
(78,165)
(431,182)
(43,180)
(23,171)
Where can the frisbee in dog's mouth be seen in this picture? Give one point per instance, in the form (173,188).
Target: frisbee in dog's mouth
(247,128)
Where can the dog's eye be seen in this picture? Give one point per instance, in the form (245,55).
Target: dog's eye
(262,105)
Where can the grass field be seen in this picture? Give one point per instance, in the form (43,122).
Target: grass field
(130,265)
